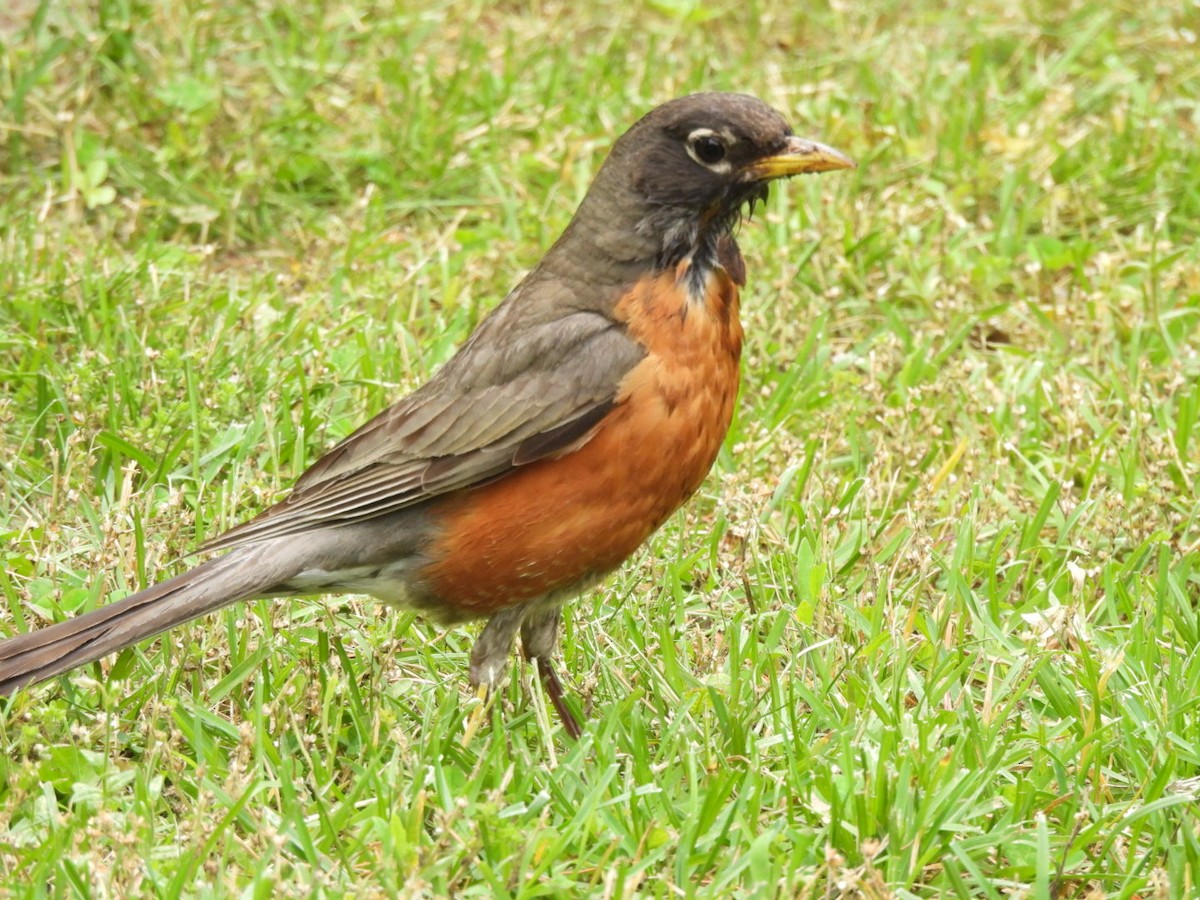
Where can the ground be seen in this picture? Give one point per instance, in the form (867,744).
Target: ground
(930,627)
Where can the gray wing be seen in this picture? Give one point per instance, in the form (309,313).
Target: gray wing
(513,394)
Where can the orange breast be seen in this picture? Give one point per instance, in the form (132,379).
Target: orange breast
(557,524)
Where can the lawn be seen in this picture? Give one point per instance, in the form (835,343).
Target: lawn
(930,627)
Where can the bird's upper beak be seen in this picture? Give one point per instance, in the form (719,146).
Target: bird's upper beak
(798,157)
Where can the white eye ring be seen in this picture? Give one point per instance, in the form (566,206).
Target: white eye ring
(709,148)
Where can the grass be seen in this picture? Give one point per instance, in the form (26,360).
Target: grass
(930,628)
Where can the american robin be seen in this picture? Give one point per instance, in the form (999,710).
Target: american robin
(583,411)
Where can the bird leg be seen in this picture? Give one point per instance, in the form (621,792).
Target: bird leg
(489,658)
(539,634)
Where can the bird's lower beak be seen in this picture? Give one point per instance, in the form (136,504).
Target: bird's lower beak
(799,157)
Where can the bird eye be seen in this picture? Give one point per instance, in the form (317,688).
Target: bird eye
(708,149)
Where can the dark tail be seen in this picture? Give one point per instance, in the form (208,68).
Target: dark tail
(38,655)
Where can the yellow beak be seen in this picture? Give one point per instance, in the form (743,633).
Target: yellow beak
(799,157)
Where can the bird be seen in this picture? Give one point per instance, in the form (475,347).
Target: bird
(580,414)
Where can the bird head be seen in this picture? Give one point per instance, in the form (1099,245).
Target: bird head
(682,176)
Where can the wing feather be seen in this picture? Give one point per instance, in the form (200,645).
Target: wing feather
(509,397)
